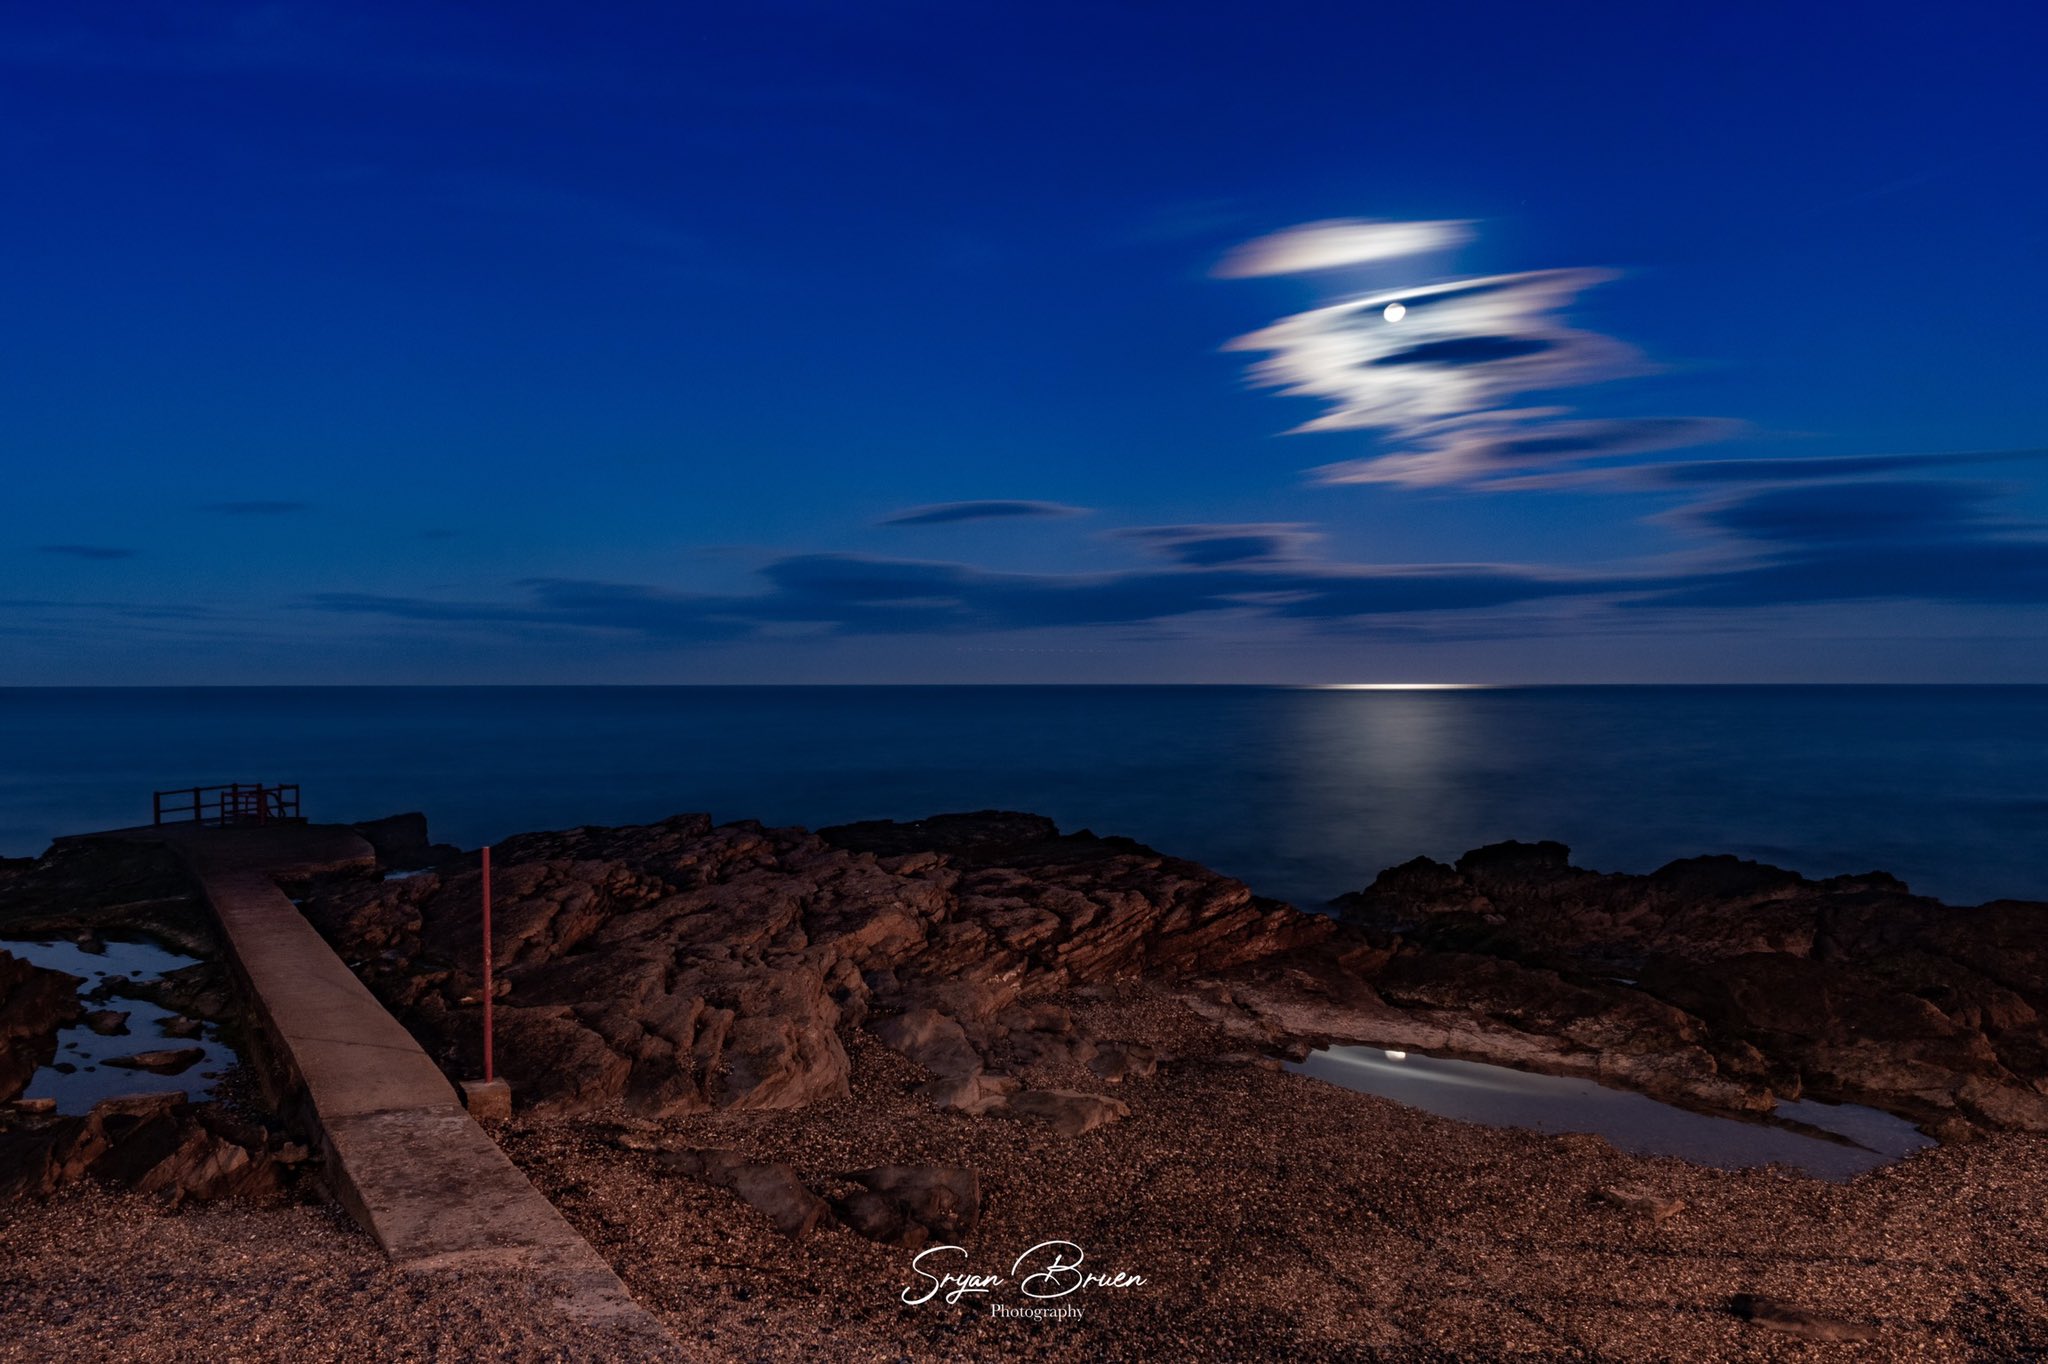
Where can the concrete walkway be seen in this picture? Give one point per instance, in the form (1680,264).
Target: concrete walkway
(403,1154)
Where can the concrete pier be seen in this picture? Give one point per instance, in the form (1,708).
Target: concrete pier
(402,1152)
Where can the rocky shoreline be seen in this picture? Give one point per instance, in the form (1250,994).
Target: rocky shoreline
(761,1069)
(682,967)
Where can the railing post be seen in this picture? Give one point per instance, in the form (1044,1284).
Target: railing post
(489,1074)
(195,807)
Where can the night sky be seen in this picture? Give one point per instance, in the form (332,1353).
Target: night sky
(368,342)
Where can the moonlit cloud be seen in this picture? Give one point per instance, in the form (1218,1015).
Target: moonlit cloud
(1459,350)
(1434,370)
(1328,245)
(951,513)
(1488,449)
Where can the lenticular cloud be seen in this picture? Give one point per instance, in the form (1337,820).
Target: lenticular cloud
(1436,367)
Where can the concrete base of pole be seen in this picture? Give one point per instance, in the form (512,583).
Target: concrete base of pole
(487,1100)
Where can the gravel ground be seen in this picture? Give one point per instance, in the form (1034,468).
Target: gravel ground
(1273,1217)
(114,1279)
(1276,1217)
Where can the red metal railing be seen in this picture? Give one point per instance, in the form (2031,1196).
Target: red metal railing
(235,803)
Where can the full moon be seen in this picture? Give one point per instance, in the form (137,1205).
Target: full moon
(1394,312)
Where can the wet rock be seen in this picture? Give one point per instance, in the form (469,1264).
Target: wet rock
(34,1004)
(1068,1112)
(107,1022)
(168,1062)
(179,1026)
(1785,1319)
(204,990)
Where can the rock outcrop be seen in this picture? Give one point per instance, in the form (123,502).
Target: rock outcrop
(153,1143)
(685,966)
(1849,988)
(34,1004)
(682,966)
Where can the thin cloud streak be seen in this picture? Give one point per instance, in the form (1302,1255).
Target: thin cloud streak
(257,508)
(87,551)
(953,513)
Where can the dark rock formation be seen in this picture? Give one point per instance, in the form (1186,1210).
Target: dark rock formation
(1645,1203)
(1846,988)
(166,1062)
(107,1022)
(1785,1319)
(942,1202)
(773,1189)
(681,966)
(81,886)
(1067,1112)
(157,1143)
(34,1004)
(401,843)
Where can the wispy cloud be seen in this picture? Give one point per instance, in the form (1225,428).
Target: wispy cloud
(1768,546)
(1901,511)
(1339,242)
(951,513)
(1207,546)
(87,551)
(1809,469)
(257,508)
(1488,449)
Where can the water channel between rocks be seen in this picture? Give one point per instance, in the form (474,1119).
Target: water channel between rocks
(1499,1096)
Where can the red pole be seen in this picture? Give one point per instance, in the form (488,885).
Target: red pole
(487,963)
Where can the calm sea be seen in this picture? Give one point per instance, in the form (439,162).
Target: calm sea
(1303,793)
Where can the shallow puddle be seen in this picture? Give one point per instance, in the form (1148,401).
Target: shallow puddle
(1502,1097)
(91,1079)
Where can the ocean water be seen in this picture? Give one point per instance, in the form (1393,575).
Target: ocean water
(1304,793)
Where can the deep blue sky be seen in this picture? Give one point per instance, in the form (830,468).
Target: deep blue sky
(378,342)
